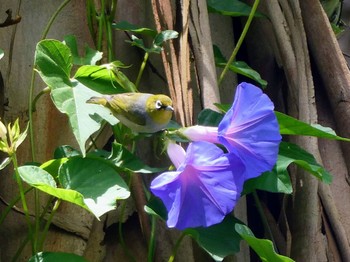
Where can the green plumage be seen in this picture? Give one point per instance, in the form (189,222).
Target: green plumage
(143,113)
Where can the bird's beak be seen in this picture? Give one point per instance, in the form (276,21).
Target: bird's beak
(169,108)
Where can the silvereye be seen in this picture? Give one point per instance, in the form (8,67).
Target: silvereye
(142,113)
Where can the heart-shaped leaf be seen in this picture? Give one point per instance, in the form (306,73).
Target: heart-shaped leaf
(96,180)
(263,247)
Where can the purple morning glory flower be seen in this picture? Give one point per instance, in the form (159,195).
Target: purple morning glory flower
(249,129)
(205,187)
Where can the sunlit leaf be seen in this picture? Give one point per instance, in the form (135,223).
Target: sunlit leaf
(52,166)
(263,247)
(96,180)
(126,26)
(5,162)
(104,79)
(158,41)
(90,57)
(165,36)
(1,54)
(42,180)
(291,126)
(54,63)
(291,153)
(84,118)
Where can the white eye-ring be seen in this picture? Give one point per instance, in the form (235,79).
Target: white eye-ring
(159,104)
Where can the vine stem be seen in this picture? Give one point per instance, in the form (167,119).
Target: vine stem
(31,103)
(263,217)
(23,199)
(176,247)
(240,41)
(120,226)
(31,88)
(151,245)
(142,68)
(48,223)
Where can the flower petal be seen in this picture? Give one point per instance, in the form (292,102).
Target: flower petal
(205,191)
(201,133)
(176,154)
(250,129)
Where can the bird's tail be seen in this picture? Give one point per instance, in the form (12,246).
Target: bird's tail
(97,100)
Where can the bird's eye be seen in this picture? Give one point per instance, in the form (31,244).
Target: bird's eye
(159,104)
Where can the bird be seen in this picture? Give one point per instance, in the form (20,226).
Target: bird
(141,112)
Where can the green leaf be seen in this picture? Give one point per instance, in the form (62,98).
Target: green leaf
(21,136)
(54,62)
(230,8)
(96,180)
(157,42)
(208,117)
(138,42)
(273,181)
(156,207)
(90,57)
(65,151)
(291,126)
(126,26)
(104,79)
(223,107)
(291,153)
(238,67)
(56,256)
(34,175)
(165,36)
(42,180)
(1,53)
(5,163)
(263,247)
(52,166)
(219,240)
(84,118)
(124,159)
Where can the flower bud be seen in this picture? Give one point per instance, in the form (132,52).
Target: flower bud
(3,131)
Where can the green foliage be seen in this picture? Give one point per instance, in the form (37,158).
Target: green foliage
(95,180)
(105,79)
(158,38)
(1,53)
(126,26)
(208,117)
(56,256)
(125,160)
(291,153)
(291,126)
(219,240)
(54,61)
(230,8)
(91,56)
(263,247)
(157,41)
(273,181)
(91,183)
(238,67)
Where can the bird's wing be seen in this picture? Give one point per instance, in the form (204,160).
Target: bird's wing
(120,104)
